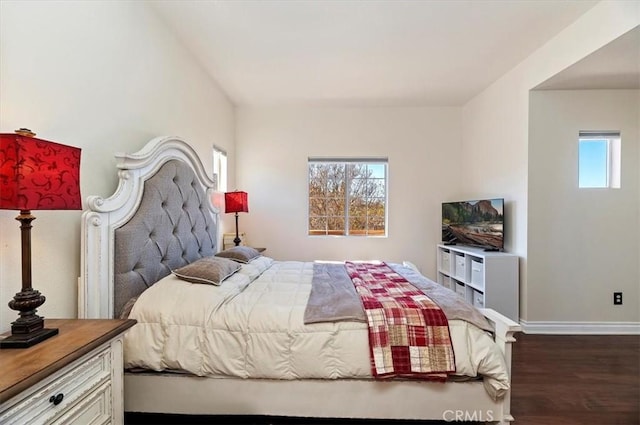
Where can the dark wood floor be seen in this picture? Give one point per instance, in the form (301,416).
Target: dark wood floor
(576,380)
(557,380)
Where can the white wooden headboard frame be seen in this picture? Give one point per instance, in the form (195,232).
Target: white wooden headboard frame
(104,216)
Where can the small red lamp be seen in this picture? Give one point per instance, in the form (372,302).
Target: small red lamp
(235,202)
(35,174)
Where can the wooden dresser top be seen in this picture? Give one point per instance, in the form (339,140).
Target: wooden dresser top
(20,368)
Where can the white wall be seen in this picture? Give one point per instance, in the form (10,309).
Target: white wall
(585,244)
(496,121)
(273,145)
(104,76)
(107,76)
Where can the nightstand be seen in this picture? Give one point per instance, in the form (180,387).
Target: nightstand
(75,377)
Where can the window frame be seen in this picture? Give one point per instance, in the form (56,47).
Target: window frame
(346,161)
(612,161)
(220,168)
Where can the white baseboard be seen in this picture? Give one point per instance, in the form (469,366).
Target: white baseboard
(581,328)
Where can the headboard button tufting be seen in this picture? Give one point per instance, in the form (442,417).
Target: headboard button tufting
(176,228)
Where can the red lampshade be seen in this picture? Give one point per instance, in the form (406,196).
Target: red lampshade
(236,202)
(37,174)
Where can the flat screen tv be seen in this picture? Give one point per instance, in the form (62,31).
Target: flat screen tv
(478,223)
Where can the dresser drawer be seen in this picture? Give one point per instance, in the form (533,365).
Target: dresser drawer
(478,299)
(477,273)
(70,384)
(460,267)
(94,409)
(445,261)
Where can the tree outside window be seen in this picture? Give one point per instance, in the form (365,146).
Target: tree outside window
(348,197)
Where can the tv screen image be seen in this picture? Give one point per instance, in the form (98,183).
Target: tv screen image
(475,223)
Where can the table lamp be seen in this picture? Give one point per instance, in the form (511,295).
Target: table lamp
(235,202)
(35,174)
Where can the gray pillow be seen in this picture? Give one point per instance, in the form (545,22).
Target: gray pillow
(211,270)
(241,254)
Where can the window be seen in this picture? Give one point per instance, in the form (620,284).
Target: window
(348,196)
(220,168)
(599,159)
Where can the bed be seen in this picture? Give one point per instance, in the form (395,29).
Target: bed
(206,349)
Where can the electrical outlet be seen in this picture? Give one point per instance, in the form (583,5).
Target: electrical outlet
(617,298)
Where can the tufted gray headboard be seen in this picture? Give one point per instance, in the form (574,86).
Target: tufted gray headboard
(160,218)
(171,228)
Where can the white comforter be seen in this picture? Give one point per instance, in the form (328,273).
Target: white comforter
(252,326)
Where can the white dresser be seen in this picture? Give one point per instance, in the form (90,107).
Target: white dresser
(75,377)
(484,278)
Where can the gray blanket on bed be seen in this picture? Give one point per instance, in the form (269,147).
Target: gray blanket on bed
(334,298)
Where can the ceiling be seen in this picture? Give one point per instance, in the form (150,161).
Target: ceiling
(363,53)
(614,66)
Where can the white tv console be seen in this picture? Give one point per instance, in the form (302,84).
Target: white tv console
(484,278)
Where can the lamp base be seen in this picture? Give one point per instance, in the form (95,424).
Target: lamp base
(28,339)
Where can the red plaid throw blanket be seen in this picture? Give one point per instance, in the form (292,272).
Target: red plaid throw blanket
(408,333)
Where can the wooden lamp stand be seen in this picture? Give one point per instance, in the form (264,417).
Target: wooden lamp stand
(28,329)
